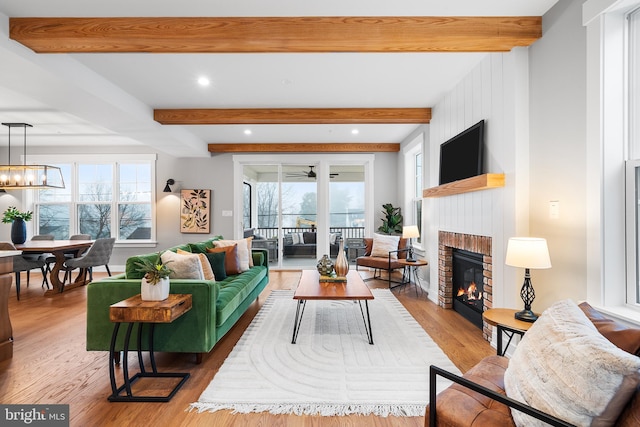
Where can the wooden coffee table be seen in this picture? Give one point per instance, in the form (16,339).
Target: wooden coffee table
(310,288)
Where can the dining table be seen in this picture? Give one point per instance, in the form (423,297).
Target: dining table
(58,248)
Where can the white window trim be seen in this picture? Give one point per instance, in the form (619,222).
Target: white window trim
(409,153)
(114,159)
(607,151)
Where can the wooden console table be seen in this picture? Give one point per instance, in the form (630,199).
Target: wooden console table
(135,310)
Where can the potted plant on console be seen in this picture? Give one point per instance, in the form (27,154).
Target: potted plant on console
(18,221)
(154,286)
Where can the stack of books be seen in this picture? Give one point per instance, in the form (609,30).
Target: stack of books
(333,278)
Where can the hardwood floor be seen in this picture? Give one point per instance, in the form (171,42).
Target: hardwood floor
(50,364)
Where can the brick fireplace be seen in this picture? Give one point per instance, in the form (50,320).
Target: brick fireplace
(447,242)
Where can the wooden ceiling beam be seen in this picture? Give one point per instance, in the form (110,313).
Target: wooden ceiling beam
(276,34)
(306,148)
(254,116)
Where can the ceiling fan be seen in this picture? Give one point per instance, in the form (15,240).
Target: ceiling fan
(307,174)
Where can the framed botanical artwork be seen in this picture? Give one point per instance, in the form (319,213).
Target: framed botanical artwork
(195,211)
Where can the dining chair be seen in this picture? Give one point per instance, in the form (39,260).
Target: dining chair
(32,256)
(20,263)
(98,254)
(50,260)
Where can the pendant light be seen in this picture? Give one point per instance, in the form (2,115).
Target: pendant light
(17,177)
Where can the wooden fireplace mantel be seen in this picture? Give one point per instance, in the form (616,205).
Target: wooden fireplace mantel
(475,183)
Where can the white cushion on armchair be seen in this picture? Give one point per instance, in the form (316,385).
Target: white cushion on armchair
(383,244)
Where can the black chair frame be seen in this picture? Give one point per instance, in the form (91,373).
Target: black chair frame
(377,272)
(434,371)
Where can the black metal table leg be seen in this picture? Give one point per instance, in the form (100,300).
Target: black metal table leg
(298,320)
(112,373)
(509,332)
(117,392)
(125,362)
(367,321)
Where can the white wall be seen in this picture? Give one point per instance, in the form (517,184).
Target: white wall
(496,91)
(558,152)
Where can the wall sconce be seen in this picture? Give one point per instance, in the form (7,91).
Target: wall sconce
(167,189)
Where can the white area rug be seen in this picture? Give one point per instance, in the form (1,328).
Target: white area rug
(332,369)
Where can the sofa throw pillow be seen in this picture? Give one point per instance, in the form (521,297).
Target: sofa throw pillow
(216,260)
(207,271)
(245,260)
(231,263)
(383,244)
(201,247)
(183,266)
(563,366)
(297,238)
(132,268)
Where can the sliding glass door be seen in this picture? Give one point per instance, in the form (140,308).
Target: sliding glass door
(298,210)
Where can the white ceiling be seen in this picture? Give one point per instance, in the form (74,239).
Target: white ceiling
(108,99)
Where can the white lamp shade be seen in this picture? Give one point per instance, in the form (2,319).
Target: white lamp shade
(528,252)
(410,231)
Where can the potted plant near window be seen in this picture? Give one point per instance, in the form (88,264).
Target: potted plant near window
(392,222)
(18,222)
(154,286)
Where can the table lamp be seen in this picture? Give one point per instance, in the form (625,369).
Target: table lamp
(409,232)
(527,252)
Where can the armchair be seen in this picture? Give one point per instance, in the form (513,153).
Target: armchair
(379,263)
(479,397)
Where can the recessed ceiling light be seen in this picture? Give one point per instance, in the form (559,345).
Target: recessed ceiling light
(247,131)
(203,81)
(355,131)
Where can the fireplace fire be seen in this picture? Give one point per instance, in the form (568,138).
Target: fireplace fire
(481,245)
(468,285)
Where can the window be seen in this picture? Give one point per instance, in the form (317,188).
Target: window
(413,186)
(102,198)
(633,164)
(246,205)
(416,202)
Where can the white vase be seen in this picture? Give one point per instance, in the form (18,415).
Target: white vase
(157,292)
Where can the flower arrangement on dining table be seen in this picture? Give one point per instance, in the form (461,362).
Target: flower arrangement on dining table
(154,270)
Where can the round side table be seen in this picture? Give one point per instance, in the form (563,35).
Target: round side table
(504,319)
(411,267)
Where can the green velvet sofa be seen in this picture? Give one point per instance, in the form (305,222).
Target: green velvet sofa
(217,306)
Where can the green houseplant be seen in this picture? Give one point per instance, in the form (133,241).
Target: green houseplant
(18,220)
(12,213)
(392,222)
(154,286)
(154,270)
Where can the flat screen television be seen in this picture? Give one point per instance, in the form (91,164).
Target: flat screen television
(462,156)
